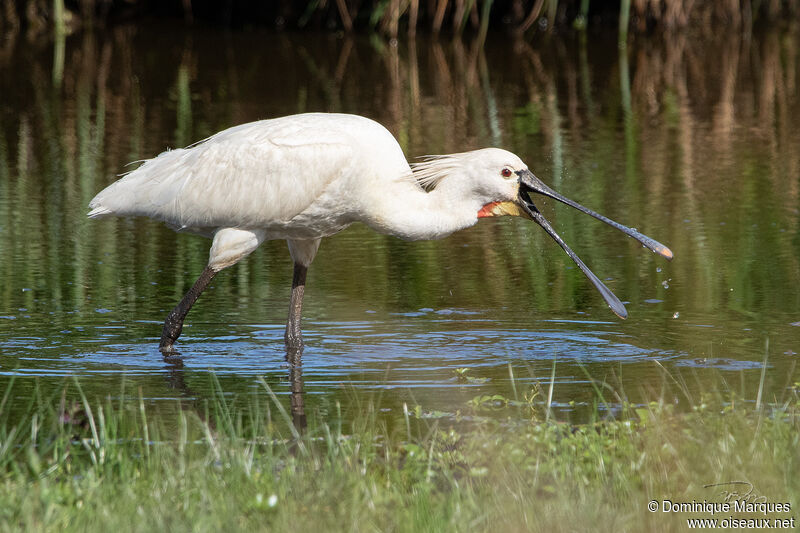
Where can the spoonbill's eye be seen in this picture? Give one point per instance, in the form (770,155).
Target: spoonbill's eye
(506,172)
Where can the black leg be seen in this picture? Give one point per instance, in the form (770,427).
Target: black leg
(174,322)
(293,337)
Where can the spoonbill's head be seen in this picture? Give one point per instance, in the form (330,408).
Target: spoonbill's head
(504,178)
(488,177)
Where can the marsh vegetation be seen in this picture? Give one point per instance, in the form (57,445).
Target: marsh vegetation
(70,463)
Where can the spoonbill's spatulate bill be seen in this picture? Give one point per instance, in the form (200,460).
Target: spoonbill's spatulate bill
(304,177)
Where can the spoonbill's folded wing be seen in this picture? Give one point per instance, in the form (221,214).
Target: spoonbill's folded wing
(254,175)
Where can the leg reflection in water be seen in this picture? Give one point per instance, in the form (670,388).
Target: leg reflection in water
(174,373)
(294,356)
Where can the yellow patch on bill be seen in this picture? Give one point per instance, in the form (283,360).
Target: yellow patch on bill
(499,209)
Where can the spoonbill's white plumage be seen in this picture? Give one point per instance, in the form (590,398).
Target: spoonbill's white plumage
(304,177)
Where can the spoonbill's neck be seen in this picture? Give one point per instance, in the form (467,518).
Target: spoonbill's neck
(412,214)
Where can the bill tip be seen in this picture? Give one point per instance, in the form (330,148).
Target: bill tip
(665,253)
(619,310)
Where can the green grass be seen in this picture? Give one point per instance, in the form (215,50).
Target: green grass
(236,464)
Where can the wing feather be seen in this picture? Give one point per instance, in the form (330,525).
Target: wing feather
(257,174)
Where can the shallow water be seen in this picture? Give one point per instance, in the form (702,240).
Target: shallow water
(691,140)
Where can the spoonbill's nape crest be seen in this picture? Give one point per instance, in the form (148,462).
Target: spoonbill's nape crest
(304,177)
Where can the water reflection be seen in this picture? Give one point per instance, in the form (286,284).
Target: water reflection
(294,357)
(691,138)
(175,376)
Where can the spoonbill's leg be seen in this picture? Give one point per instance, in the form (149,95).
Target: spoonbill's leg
(173,325)
(229,246)
(303,252)
(293,336)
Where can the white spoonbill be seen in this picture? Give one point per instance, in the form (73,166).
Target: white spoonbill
(304,177)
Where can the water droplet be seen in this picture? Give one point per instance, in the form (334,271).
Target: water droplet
(676,314)
(658,269)
(665,284)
